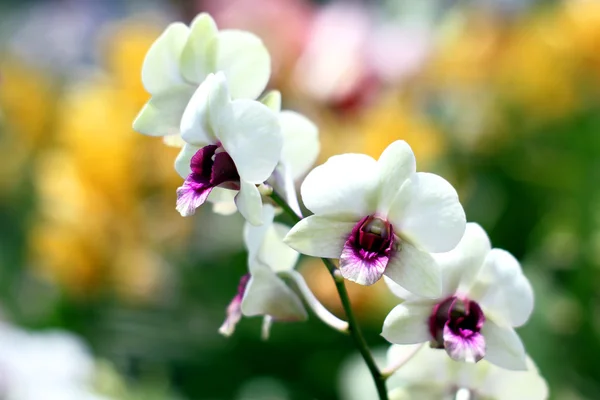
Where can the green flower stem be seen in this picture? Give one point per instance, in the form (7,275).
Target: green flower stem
(353,327)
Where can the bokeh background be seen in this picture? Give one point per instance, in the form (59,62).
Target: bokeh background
(501,97)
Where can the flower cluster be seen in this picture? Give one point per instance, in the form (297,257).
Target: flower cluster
(380,218)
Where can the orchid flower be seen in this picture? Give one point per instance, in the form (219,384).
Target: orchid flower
(299,152)
(183,57)
(380,217)
(484,296)
(232,144)
(429,374)
(262,291)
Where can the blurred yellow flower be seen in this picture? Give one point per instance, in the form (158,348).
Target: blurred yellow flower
(94,186)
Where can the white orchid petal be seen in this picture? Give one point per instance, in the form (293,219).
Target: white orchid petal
(504,384)
(183,160)
(416,271)
(196,61)
(407,323)
(300,142)
(432,216)
(245,60)
(345,184)
(254,236)
(253,139)
(160,70)
(265,243)
(267,294)
(223,201)
(461,265)
(249,203)
(398,290)
(503,346)
(194,122)
(396,165)
(161,115)
(503,289)
(319,236)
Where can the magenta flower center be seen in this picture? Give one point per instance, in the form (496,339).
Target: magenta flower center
(372,237)
(211,166)
(455,326)
(464,318)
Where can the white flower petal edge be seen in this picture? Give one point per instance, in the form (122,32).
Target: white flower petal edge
(396,165)
(344,185)
(252,139)
(160,70)
(300,142)
(266,294)
(161,115)
(503,346)
(249,203)
(407,323)
(319,236)
(244,59)
(461,265)
(195,65)
(503,288)
(416,271)
(433,216)
(194,124)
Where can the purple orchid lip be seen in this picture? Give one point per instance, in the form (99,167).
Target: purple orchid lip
(367,251)
(455,325)
(234,309)
(211,167)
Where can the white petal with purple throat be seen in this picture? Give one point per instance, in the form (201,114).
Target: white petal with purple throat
(407,323)
(319,236)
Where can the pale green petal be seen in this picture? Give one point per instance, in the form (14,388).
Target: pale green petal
(161,116)
(196,61)
(160,70)
(244,59)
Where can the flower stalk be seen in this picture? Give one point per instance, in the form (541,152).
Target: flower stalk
(353,327)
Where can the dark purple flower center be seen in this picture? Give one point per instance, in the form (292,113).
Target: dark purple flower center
(464,318)
(372,237)
(212,166)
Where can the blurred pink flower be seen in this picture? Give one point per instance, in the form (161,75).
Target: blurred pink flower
(282,24)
